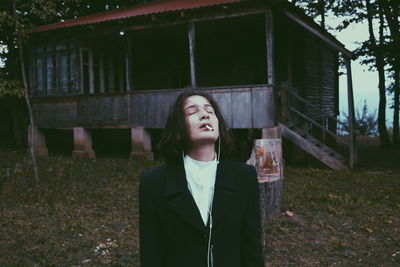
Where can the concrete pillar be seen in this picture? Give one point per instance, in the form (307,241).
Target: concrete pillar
(83,143)
(141,143)
(39,141)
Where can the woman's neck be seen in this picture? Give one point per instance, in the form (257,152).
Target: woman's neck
(203,153)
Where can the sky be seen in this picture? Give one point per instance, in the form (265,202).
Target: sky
(365,82)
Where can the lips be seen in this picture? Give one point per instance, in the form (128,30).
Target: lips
(206,126)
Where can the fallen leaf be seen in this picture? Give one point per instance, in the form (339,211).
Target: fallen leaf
(289,213)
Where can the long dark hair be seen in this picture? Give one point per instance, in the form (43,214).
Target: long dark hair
(175,139)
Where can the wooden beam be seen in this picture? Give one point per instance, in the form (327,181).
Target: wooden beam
(312,149)
(91,74)
(193,18)
(269,31)
(128,63)
(192,55)
(343,141)
(317,33)
(350,99)
(101,68)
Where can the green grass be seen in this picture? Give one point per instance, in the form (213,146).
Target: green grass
(341,219)
(85,213)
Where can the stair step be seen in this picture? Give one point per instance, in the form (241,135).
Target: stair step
(315,147)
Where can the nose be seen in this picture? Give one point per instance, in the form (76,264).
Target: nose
(204,114)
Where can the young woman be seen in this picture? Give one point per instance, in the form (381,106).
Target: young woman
(199,209)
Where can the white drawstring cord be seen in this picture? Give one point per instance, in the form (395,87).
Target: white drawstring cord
(210,263)
(209,248)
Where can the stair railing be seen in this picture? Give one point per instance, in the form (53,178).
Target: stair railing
(287,108)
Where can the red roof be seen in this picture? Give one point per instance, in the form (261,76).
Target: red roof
(150,8)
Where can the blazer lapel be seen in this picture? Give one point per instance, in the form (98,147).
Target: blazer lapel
(225,192)
(180,199)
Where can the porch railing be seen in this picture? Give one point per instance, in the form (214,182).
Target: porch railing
(288,109)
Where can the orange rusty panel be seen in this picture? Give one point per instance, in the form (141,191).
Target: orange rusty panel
(150,8)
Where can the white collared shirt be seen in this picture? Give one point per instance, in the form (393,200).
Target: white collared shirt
(200,176)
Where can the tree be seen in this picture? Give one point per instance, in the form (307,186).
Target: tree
(16,16)
(315,8)
(378,52)
(391,12)
(365,123)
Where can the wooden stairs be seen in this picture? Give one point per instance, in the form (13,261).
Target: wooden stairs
(313,146)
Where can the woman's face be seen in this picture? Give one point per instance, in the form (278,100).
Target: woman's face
(200,120)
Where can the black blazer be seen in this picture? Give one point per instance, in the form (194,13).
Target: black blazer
(172,233)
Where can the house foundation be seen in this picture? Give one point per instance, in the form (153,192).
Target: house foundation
(141,143)
(83,143)
(39,141)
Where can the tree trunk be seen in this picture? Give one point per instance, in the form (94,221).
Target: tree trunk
(27,101)
(321,7)
(391,12)
(379,63)
(396,137)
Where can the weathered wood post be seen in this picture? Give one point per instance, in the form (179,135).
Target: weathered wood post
(267,159)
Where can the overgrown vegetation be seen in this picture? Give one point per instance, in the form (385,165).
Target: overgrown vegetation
(365,122)
(85,213)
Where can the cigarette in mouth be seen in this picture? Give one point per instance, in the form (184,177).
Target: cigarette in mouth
(209,127)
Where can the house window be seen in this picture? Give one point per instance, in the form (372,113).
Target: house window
(53,73)
(102,71)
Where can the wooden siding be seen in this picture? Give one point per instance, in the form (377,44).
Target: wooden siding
(247,107)
(320,78)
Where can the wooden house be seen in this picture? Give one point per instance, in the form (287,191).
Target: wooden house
(264,62)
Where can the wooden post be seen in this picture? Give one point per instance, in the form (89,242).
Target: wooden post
(128,63)
(350,98)
(269,31)
(267,159)
(192,51)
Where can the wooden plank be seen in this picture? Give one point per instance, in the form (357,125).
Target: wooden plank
(263,108)
(318,125)
(108,110)
(194,19)
(241,109)
(269,31)
(192,54)
(101,67)
(316,32)
(224,101)
(353,152)
(121,109)
(91,74)
(128,63)
(312,149)
(55,115)
(137,109)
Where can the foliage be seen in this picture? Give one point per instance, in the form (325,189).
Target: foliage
(34,13)
(86,212)
(365,123)
(11,88)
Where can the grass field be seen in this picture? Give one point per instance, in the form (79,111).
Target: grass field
(85,213)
